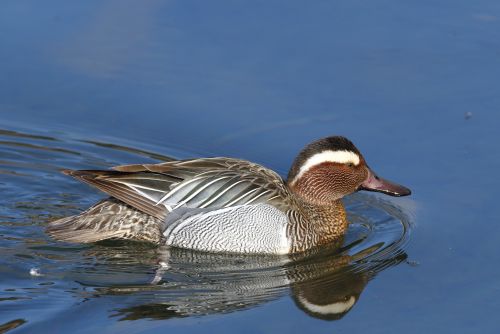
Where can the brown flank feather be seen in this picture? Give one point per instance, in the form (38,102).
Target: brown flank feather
(108,219)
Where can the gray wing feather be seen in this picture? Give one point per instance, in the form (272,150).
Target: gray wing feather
(157,189)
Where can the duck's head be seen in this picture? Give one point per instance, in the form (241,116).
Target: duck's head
(330,168)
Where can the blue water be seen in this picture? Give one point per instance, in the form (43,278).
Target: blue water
(415,85)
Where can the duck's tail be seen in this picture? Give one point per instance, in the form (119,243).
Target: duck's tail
(108,219)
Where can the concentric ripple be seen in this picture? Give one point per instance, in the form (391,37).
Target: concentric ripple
(135,281)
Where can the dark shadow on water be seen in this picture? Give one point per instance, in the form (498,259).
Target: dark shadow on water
(324,286)
(4,328)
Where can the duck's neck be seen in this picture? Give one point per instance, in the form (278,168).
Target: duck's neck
(320,225)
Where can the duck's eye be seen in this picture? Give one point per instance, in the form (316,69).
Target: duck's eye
(350,164)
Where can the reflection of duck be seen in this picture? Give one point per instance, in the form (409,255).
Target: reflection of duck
(325,285)
(333,285)
(228,205)
(330,299)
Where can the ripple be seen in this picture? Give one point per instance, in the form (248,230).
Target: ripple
(143,281)
(4,328)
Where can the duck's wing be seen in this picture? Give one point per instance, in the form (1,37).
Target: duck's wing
(157,189)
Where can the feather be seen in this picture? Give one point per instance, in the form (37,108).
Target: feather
(144,195)
(107,219)
(200,183)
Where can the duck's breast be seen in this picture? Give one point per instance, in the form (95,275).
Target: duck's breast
(259,228)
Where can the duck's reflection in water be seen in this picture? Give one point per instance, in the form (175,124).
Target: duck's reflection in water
(325,285)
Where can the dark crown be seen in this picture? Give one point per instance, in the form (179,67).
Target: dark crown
(333,143)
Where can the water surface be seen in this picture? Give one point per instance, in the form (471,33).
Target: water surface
(130,281)
(98,83)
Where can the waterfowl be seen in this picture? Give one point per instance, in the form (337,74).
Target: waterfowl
(227,204)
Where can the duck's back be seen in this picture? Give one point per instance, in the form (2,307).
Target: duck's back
(216,204)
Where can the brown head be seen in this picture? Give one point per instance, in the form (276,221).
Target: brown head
(331,168)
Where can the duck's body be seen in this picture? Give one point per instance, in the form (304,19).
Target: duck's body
(225,204)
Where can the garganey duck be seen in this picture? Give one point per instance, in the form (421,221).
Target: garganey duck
(226,204)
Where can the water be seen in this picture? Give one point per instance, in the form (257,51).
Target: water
(100,83)
(132,281)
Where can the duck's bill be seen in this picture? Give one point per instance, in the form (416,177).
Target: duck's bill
(375,183)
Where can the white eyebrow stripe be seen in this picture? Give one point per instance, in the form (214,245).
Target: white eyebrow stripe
(341,157)
(333,308)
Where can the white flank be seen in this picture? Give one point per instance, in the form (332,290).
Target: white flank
(284,243)
(334,308)
(209,230)
(341,157)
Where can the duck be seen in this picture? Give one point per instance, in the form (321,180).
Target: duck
(227,205)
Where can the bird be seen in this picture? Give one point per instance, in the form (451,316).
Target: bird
(227,205)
